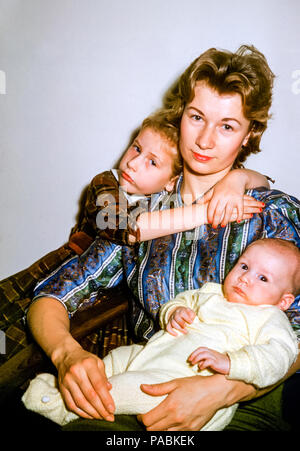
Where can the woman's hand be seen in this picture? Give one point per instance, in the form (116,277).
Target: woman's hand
(178,320)
(191,401)
(84,385)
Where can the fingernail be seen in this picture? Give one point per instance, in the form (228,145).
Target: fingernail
(110,418)
(111,408)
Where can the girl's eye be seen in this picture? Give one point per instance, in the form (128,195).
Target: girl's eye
(137,148)
(263,278)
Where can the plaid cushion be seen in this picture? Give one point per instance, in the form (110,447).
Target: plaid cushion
(15,296)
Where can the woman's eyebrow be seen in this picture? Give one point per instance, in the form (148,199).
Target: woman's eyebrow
(228,119)
(196,109)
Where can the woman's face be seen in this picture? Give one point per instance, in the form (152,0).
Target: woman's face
(213,130)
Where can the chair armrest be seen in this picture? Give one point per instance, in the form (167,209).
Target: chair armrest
(30,360)
(112,305)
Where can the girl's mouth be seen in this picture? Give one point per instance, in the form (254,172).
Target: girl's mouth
(126,177)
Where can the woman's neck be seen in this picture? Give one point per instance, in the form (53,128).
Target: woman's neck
(195,185)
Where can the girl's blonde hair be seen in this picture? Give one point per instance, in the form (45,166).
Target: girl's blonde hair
(245,72)
(159,123)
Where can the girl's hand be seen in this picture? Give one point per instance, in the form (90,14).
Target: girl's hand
(227,203)
(209,358)
(178,320)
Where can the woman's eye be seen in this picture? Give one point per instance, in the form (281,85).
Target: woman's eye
(137,148)
(153,162)
(196,117)
(227,127)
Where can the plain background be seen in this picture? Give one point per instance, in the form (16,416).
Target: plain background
(80,75)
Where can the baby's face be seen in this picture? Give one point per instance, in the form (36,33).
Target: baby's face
(261,276)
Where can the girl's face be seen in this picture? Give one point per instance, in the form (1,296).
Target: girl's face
(213,130)
(147,165)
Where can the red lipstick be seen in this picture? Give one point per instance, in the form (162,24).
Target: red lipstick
(201,158)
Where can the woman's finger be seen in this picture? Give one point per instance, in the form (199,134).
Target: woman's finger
(77,401)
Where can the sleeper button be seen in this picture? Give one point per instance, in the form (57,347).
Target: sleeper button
(45,399)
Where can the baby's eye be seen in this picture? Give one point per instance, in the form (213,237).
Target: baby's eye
(263,278)
(244,266)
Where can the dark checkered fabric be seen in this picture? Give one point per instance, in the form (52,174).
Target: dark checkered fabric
(15,296)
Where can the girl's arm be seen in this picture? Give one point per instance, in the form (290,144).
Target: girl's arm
(224,203)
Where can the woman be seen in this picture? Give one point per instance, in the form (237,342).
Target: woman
(221,105)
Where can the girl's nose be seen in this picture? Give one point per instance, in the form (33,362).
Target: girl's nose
(205,139)
(133,163)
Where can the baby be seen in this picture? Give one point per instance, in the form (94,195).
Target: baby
(240,327)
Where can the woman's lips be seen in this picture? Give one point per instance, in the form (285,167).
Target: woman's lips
(126,177)
(202,158)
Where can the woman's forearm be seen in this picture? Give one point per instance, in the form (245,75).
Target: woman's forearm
(50,326)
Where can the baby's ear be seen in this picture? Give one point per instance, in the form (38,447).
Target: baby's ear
(286,301)
(171,183)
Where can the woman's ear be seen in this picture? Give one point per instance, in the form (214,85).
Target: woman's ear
(171,183)
(246,139)
(286,301)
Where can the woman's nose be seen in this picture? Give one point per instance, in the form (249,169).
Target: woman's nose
(205,139)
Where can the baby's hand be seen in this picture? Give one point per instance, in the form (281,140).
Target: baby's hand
(178,319)
(208,358)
